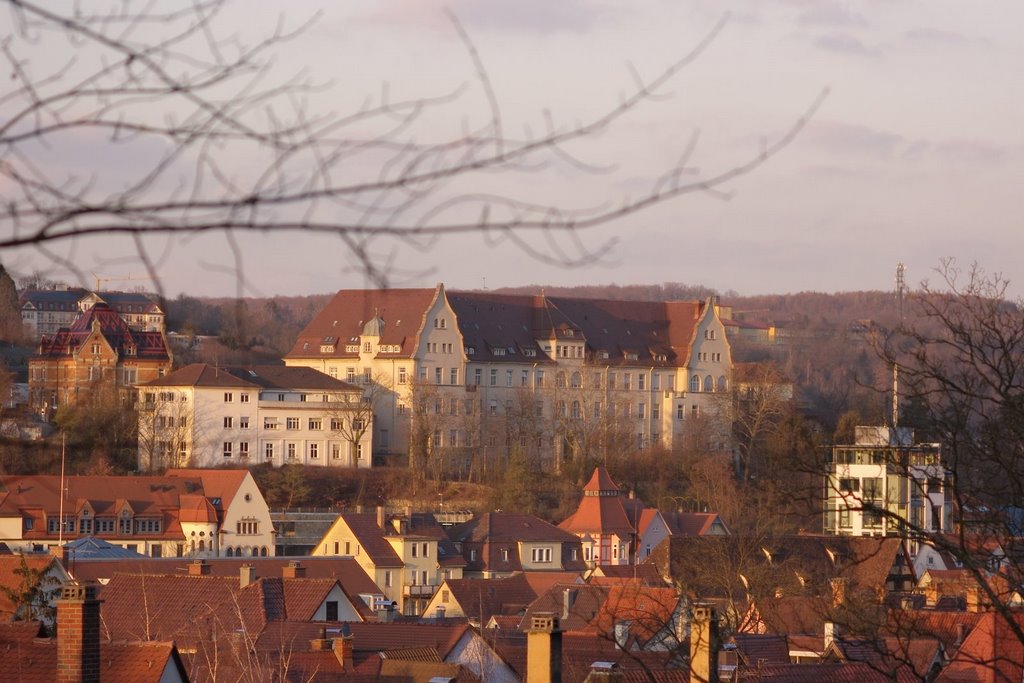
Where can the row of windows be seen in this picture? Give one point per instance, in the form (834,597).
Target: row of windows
(313,451)
(315,424)
(102,525)
(229,397)
(709,384)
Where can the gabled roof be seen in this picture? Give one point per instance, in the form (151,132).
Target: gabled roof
(216,484)
(693,523)
(293,378)
(480,599)
(67,341)
(345,316)
(90,548)
(991,653)
(373,539)
(30,658)
(200,375)
(601,509)
(11,577)
(494,532)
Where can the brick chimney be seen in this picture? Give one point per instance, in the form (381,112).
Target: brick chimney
(294,570)
(198,568)
(246,575)
(78,634)
(344,648)
(704,644)
(544,649)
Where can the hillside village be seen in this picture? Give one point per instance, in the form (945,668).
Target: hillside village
(429,484)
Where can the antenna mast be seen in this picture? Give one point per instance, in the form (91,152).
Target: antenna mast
(900,286)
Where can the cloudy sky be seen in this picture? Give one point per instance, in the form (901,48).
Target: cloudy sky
(916,153)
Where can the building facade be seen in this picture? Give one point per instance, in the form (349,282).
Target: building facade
(188,513)
(884,484)
(45,311)
(455,371)
(99,354)
(206,416)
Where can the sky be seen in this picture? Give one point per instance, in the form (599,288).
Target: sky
(915,154)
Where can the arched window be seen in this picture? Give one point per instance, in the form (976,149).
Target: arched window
(695,384)
(263,551)
(576,380)
(709,383)
(230,553)
(202,546)
(721,383)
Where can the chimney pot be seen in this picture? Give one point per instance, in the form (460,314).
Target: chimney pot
(246,575)
(78,634)
(198,568)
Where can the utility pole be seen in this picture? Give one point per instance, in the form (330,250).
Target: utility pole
(900,286)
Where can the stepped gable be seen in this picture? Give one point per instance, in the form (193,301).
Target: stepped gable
(345,317)
(601,509)
(67,342)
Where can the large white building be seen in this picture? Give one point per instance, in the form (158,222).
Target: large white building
(46,311)
(206,416)
(884,484)
(187,513)
(455,371)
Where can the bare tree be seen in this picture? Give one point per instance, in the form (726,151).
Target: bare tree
(168,89)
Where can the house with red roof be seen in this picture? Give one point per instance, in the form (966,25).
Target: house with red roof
(210,416)
(646,366)
(605,530)
(97,353)
(188,513)
(408,555)
(500,544)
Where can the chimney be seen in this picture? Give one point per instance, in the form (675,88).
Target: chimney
(380,516)
(78,634)
(838,586)
(294,570)
(544,649)
(344,647)
(972,596)
(704,644)
(568,600)
(246,575)
(386,615)
(322,643)
(198,568)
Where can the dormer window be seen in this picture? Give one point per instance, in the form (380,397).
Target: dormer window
(95,349)
(498,351)
(530,353)
(631,356)
(470,350)
(129,350)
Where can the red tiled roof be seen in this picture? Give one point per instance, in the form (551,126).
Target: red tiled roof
(992,653)
(26,658)
(402,310)
(480,599)
(148,345)
(494,532)
(600,510)
(200,375)
(10,565)
(223,484)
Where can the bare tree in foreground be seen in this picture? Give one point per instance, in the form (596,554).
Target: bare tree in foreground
(213,141)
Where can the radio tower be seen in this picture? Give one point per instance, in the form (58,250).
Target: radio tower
(900,286)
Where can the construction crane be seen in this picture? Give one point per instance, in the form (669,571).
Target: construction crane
(101,279)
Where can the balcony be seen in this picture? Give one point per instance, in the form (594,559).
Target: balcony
(418,591)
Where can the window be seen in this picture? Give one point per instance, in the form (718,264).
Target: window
(415,550)
(560,380)
(655,381)
(130,375)
(453,376)
(641,410)
(539,379)
(331,610)
(695,383)
(350,375)
(476,376)
(626,381)
(314,451)
(436,438)
(493,407)
(243,423)
(243,449)
(335,451)
(844,518)
(387,578)
(437,375)
(655,411)
(147,526)
(721,383)
(525,379)
(641,379)
(504,554)
(494,378)
(247,527)
(125,527)
(872,488)
(243,398)
(402,378)
(291,451)
(333,372)
(541,555)
(95,349)
(85,526)
(227,449)
(228,422)
(426,553)
(849,485)
(453,438)
(453,406)
(508,378)
(316,424)
(228,397)
(709,383)
(292,423)
(270,423)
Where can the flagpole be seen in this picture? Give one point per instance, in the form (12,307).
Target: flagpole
(60,522)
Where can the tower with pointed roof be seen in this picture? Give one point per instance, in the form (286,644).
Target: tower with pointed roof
(601,522)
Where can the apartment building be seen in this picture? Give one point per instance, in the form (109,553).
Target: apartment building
(188,513)
(45,311)
(207,416)
(884,482)
(488,371)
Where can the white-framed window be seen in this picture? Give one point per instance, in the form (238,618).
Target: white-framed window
(316,424)
(243,422)
(453,376)
(402,378)
(228,397)
(243,398)
(228,422)
(243,449)
(314,451)
(292,423)
(541,555)
(494,378)
(227,449)
(291,451)
(270,423)
(268,449)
